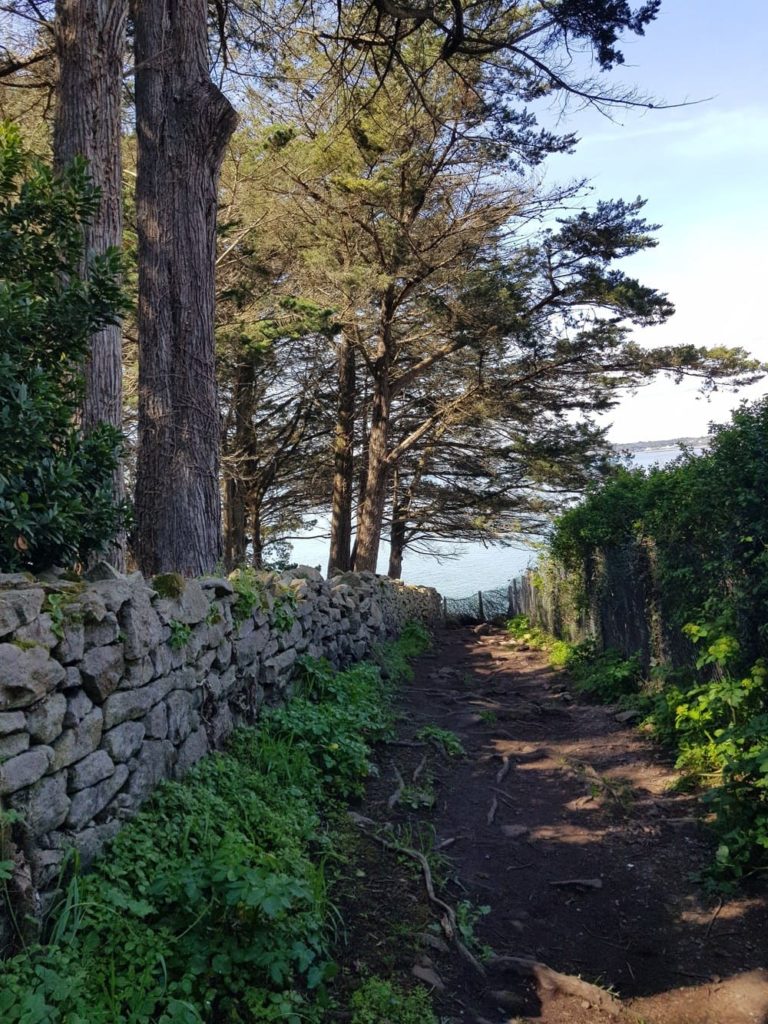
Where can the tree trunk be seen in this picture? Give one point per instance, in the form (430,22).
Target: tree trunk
(90,41)
(234,535)
(371,515)
(183,124)
(363,472)
(397,535)
(256,538)
(236,442)
(343,464)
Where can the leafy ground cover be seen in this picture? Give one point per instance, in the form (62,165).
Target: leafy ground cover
(215,903)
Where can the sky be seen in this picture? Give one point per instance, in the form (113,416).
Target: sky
(704,172)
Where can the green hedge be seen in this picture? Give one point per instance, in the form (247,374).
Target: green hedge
(704,521)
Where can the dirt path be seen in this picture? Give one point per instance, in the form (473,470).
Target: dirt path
(559,820)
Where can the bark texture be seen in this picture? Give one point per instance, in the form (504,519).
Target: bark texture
(183,125)
(397,530)
(235,540)
(236,469)
(371,515)
(343,464)
(90,41)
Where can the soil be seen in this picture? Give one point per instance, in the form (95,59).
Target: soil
(559,834)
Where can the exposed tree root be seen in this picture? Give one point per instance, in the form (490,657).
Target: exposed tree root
(492,810)
(450,927)
(447,842)
(545,977)
(506,798)
(419,768)
(395,797)
(506,764)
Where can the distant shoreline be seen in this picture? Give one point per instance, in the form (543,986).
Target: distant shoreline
(652,446)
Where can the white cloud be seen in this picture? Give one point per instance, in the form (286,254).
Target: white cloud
(709,133)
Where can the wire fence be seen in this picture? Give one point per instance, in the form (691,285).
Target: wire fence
(484,606)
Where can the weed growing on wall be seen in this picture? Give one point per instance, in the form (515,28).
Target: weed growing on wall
(213,903)
(284,612)
(180,634)
(251,593)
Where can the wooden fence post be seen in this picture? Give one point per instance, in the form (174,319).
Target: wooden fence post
(480,605)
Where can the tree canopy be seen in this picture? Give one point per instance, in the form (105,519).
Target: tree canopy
(396,320)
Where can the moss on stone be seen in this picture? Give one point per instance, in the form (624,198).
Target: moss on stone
(169,584)
(25,645)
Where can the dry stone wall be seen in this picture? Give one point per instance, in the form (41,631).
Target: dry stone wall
(108,687)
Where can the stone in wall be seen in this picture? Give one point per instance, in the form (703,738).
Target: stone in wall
(20,602)
(45,722)
(27,674)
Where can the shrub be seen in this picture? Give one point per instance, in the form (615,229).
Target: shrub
(56,504)
(604,675)
(704,518)
(519,628)
(702,524)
